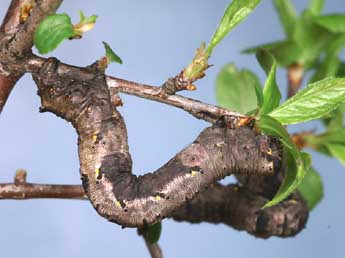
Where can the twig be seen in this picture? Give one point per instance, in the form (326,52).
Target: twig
(16,38)
(232,205)
(154,249)
(295,77)
(21,190)
(196,108)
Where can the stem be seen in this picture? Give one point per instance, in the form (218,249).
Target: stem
(196,108)
(16,38)
(295,78)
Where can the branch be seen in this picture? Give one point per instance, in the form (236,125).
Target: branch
(154,249)
(21,190)
(232,205)
(16,38)
(295,78)
(196,108)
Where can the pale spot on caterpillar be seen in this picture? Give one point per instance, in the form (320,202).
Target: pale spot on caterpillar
(193,173)
(97,172)
(220,144)
(94,137)
(118,204)
(157,198)
(269,151)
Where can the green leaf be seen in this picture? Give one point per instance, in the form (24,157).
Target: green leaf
(110,54)
(236,89)
(310,38)
(330,65)
(285,52)
(336,121)
(332,22)
(83,19)
(330,137)
(331,143)
(311,188)
(287,15)
(298,162)
(341,70)
(337,151)
(153,233)
(316,6)
(52,31)
(313,102)
(236,11)
(271,93)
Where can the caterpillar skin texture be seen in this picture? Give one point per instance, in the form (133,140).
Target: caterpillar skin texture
(105,163)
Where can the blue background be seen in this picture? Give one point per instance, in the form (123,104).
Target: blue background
(156,39)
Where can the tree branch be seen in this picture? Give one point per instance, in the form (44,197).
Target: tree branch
(232,205)
(154,249)
(196,108)
(16,39)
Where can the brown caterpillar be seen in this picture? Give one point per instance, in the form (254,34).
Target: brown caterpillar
(81,96)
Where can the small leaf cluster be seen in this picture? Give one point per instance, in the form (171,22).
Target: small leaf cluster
(56,28)
(235,12)
(313,41)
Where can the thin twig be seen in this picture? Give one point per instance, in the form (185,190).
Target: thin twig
(154,249)
(231,205)
(196,108)
(295,78)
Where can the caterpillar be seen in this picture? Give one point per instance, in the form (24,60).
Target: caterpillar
(81,96)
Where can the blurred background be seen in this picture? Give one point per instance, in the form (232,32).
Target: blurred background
(155,39)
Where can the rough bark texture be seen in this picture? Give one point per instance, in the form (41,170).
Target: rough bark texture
(16,39)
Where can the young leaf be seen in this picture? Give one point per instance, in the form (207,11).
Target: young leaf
(316,6)
(83,19)
(337,151)
(235,89)
(331,143)
(313,102)
(298,162)
(335,121)
(52,31)
(85,24)
(110,54)
(330,137)
(327,68)
(311,188)
(333,22)
(310,38)
(330,64)
(285,52)
(236,11)
(341,70)
(153,233)
(271,93)
(287,15)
